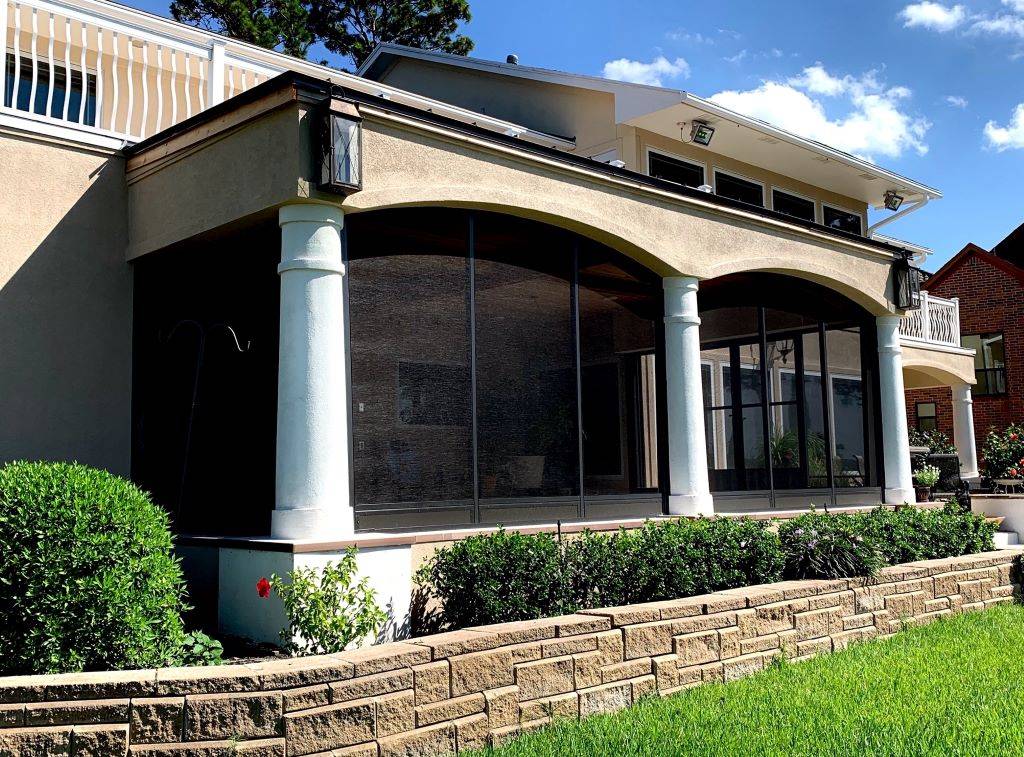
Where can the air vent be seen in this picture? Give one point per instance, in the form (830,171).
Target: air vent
(868,176)
(769,140)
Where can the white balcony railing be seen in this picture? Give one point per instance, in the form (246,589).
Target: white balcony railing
(113,71)
(936,321)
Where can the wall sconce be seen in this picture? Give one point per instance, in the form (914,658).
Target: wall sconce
(340,148)
(906,284)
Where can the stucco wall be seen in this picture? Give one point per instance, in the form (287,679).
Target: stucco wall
(65,305)
(924,367)
(468,689)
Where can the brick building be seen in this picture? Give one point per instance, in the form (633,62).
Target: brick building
(990,289)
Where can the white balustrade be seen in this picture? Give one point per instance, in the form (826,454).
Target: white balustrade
(93,66)
(936,321)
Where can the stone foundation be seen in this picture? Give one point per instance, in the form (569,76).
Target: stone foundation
(465,689)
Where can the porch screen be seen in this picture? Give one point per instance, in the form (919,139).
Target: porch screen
(502,371)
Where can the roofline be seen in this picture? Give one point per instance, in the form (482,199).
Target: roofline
(808,144)
(970,249)
(511,69)
(323,89)
(611,85)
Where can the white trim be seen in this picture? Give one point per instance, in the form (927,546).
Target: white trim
(715,170)
(666,154)
(772,189)
(833,206)
(33,124)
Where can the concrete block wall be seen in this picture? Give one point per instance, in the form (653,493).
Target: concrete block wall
(465,689)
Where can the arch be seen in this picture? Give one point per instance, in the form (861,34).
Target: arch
(926,368)
(626,239)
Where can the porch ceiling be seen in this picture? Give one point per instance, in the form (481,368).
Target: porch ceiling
(926,367)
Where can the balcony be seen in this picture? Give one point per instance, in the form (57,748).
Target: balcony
(936,322)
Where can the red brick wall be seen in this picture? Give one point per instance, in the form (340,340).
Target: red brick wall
(990,300)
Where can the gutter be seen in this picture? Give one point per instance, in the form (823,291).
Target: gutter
(905,212)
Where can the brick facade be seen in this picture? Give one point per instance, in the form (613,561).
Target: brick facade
(466,689)
(991,293)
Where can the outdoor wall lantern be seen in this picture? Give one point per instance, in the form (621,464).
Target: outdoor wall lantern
(340,148)
(893,200)
(906,284)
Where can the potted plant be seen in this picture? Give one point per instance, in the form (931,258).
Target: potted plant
(924,480)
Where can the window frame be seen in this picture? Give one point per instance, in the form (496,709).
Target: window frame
(715,170)
(813,200)
(987,369)
(648,150)
(841,209)
(918,417)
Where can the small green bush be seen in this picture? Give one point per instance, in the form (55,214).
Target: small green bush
(1003,452)
(910,534)
(328,609)
(497,578)
(927,475)
(818,545)
(936,441)
(88,580)
(511,576)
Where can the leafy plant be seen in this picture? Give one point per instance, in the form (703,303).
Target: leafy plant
(936,441)
(927,475)
(908,534)
(1004,452)
(199,649)
(88,580)
(328,609)
(828,546)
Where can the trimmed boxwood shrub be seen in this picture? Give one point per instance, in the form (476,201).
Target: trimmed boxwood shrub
(910,534)
(87,577)
(510,576)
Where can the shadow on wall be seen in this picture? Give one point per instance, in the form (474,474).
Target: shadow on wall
(65,306)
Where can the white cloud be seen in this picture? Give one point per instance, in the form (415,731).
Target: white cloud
(1009,137)
(737,58)
(696,38)
(1017,5)
(934,16)
(956,101)
(1011,26)
(652,73)
(874,123)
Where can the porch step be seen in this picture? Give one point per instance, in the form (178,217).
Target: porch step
(1004,539)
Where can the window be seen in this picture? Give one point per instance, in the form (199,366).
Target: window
(926,418)
(60,91)
(844,220)
(672,169)
(989,362)
(739,189)
(792,205)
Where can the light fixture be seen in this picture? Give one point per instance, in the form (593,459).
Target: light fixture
(893,200)
(701,133)
(906,283)
(340,148)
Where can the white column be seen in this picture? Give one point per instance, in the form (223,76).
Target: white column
(313,499)
(963,430)
(899,483)
(687,453)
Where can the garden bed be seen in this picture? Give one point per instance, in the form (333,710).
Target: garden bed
(464,690)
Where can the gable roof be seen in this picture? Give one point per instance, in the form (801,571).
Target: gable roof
(969,251)
(1012,247)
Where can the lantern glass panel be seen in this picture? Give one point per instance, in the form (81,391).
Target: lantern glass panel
(345,168)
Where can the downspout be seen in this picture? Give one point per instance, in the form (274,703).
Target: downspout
(906,211)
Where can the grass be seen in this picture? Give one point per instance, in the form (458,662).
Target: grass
(951,688)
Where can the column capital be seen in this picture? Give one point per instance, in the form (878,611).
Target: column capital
(311,238)
(311,212)
(680,282)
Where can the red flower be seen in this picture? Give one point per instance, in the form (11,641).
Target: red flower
(1013,471)
(263,587)
(1013,437)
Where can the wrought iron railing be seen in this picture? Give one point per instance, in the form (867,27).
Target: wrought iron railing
(935,320)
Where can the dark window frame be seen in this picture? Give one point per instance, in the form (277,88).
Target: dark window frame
(989,372)
(669,159)
(716,172)
(919,416)
(800,198)
(826,207)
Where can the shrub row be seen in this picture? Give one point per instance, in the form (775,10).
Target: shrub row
(509,576)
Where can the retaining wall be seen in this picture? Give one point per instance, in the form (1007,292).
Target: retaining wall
(465,689)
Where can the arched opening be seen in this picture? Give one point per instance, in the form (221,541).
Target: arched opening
(789,373)
(502,371)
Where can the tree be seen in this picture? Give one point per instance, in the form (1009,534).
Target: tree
(351,28)
(276,24)
(354,27)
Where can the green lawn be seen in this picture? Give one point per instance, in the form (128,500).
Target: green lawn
(955,687)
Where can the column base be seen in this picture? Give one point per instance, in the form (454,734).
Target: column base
(310,523)
(900,496)
(691,504)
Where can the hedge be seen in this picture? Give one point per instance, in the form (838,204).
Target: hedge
(507,576)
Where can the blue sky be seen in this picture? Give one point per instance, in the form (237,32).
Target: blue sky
(926,89)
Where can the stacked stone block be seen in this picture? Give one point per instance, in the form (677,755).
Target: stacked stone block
(466,689)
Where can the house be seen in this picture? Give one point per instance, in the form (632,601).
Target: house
(308,309)
(987,289)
